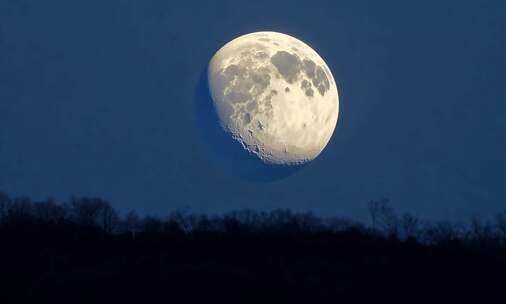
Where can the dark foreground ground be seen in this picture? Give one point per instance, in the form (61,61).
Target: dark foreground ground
(67,263)
(82,251)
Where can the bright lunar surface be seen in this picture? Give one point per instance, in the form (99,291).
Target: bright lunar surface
(275,96)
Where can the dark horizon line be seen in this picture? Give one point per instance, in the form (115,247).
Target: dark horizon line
(384,221)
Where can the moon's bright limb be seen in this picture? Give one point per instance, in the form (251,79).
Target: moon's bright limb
(275,96)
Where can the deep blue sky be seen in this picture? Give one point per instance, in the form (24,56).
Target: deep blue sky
(96,99)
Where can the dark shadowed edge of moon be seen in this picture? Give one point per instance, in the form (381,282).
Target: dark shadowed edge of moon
(229,153)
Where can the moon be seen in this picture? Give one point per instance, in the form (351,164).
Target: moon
(274,95)
(275,98)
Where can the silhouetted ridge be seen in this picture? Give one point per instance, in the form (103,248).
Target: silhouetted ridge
(83,251)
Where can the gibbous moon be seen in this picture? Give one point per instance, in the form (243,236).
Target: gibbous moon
(274,95)
(275,99)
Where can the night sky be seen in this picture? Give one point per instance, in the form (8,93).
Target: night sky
(96,99)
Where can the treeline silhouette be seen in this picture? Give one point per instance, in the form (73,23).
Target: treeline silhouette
(84,251)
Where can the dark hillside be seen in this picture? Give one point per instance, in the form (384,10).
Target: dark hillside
(83,252)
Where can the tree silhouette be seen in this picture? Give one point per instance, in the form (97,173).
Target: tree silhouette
(82,250)
(410,226)
(501,223)
(383,217)
(444,234)
(4,206)
(132,222)
(152,225)
(93,212)
(49,211)
(20,210)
